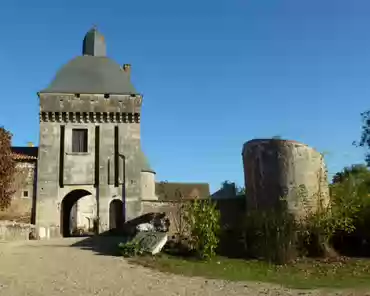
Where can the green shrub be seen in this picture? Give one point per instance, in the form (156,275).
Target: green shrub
(130,249)
(277,236)
(345,204)
(271,235)
(203,226)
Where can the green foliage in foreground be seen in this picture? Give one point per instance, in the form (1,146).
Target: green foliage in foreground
(303,274)
(130,249)
(203,225)
(201,230)
(350,192)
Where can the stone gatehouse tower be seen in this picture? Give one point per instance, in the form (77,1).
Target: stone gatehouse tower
(90,143)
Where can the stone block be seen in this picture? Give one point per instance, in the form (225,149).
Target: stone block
(151,242)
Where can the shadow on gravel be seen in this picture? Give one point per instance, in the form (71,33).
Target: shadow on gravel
(107,243)
(103,244)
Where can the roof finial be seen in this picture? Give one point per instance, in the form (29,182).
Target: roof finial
(94,44)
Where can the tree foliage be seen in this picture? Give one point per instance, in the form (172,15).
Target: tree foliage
(359,173)
(7,169)
(350,193)
(365,135)
(203,222)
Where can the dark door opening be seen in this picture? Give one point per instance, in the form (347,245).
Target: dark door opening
(116,215)
(68,211)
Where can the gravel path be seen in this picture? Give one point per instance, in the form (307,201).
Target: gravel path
(81,267)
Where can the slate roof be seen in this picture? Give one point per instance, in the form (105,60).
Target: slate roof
(91,75)
(168,191)
(94,44)
(25,153)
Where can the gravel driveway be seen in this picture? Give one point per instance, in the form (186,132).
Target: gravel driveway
(82,266)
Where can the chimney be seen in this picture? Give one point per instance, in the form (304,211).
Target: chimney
(30,144)
(127,69)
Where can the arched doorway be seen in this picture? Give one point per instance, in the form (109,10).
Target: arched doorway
(69,210)
(116,215)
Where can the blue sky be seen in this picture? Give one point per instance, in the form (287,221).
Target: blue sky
(214,74)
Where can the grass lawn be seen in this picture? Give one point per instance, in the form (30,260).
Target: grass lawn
(304,274)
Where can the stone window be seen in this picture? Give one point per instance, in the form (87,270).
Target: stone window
(79,140)
(25,193)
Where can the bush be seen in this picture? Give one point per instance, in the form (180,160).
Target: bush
(271,235)
(350,194)
(130,249)
(202,226)
(277,236)
(7,169)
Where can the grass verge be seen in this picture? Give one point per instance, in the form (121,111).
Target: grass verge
(303,274)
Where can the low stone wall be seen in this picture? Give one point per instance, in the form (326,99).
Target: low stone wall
(232,211)
(13,231)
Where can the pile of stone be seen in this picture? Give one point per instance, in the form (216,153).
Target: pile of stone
(158,223)
(152,235)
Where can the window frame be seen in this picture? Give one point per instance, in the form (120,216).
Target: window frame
(76,147)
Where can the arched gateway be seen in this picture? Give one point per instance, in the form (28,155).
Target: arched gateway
(68,203)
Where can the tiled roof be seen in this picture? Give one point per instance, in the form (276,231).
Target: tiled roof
(170,191)
(25,153)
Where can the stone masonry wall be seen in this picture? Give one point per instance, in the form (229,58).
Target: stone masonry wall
(78,169)
(19,211)
(232,211)
(12,231)
(275,169)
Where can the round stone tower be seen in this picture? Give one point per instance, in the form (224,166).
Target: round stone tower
(276,169)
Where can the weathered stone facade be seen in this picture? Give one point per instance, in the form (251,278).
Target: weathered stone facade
(89,170)
(21,207)
(91,96)
(285,172)
(14,231)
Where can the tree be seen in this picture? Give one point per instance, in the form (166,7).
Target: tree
(7,169)
(359,172)
(350,193)
(365,135)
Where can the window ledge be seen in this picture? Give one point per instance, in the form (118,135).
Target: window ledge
(77,153)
